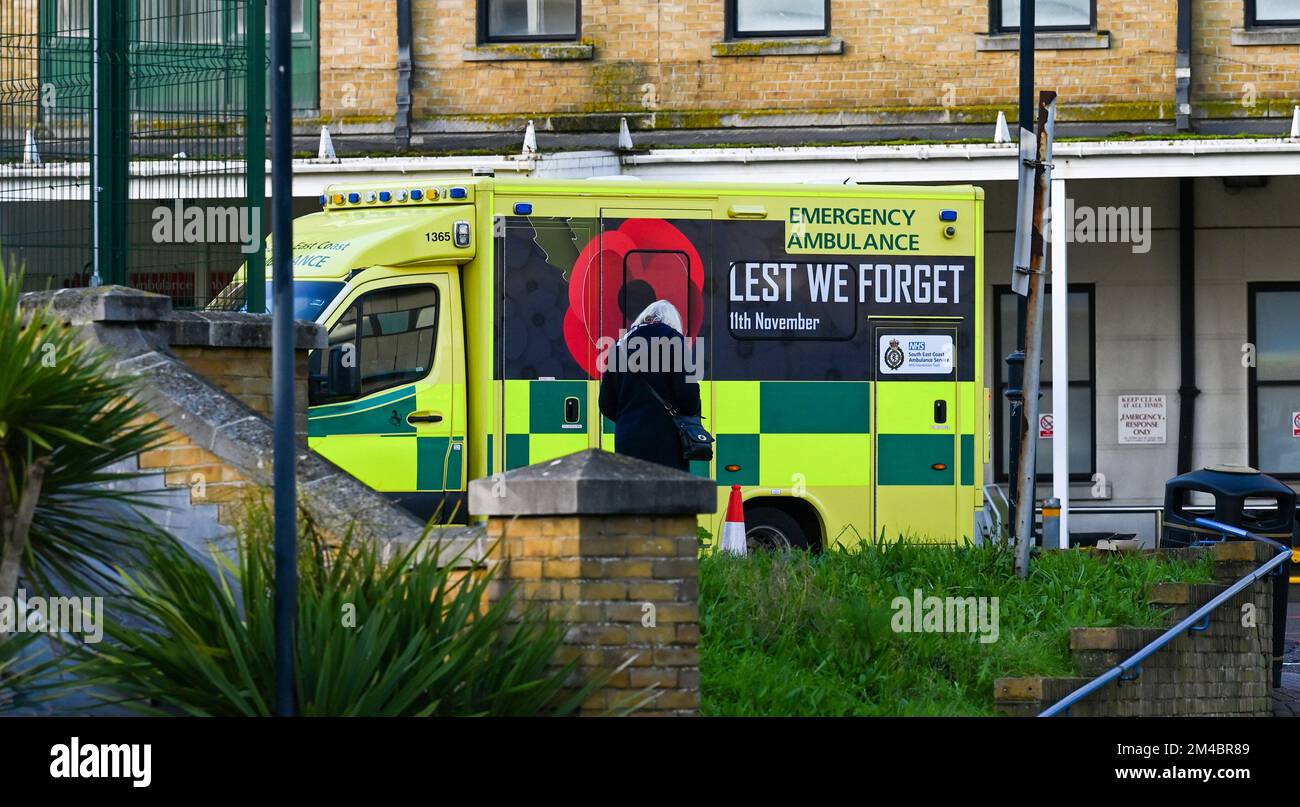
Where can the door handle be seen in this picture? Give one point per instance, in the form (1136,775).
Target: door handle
(424,417)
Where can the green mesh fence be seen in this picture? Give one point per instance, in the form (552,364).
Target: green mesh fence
(167,82)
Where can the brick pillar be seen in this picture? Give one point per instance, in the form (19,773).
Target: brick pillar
(233,351)
(607,545)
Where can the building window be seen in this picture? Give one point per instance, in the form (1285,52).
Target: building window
(1049,15)
(769,18)
(297,18)
(1261,13)
(72,18)
(527,20)
(1082,387)
(1274,381)
(174,22)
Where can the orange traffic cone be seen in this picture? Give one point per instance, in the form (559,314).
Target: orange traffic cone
(733,532)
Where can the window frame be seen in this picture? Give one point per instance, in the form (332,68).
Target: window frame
(1253,383)
(1252,21)
(996,26)
(686,260)
(486,38)
(359,304)
(733,31)
(1000,474)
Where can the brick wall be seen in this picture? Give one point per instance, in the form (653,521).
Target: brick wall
(659,57)
(358,58)
(627,587)
(245,372)
(607,545)
(1239,80)
(210,479)
(1224,670)
(19,68)
(899,62)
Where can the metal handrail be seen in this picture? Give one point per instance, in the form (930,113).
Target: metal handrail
(1196,621)
(1156,511)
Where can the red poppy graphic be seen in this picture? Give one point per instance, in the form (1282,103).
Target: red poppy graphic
(623,271)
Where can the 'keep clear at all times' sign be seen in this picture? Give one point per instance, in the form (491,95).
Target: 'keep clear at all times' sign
(1142,419)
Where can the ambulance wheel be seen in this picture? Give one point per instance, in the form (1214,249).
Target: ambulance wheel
(769,529)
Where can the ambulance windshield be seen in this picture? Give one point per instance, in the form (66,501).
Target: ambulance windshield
(310,298)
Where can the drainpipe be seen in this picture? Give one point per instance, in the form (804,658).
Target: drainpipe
(402,121)
(1183,69)
(1187,390)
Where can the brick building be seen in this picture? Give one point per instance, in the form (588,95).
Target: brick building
(490,65)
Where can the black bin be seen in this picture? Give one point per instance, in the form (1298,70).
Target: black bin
(1272,515)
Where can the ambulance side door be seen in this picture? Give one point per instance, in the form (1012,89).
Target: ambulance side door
(387,396)
(649,254)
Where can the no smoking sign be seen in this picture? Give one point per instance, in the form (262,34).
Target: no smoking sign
(1047,426)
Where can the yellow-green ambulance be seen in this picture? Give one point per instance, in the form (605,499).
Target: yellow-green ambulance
(836,332)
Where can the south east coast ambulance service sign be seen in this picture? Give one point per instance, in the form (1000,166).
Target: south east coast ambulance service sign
(929,354)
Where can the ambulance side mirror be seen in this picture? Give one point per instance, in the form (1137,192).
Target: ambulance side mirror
(338,380)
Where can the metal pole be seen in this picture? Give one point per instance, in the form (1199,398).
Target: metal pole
(98,20)
(1060,360)
(111,144)
(402,122)
(1016,360)
(255,151)
(1034,337)
(282,364)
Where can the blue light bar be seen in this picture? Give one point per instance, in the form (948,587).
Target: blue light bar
(417,195)
(354,197)
(323,200)
(947,215)
(458,193)
(385,196)
(523,209)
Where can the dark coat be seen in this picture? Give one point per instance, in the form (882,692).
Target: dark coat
(642,427)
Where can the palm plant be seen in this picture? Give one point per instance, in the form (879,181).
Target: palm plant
(409,636)
(65,419)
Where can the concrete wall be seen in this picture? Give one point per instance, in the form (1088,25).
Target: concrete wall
(1242,237)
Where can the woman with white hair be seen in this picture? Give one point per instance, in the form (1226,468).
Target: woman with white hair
(643,427)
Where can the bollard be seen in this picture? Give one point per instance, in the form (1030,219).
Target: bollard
(1052,524)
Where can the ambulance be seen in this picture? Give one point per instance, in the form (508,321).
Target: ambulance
(836,333)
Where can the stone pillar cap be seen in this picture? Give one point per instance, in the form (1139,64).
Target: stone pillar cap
(592,482)
(120,304)
(83,306)
(237,329)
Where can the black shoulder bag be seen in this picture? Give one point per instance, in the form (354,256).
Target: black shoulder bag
(697,443)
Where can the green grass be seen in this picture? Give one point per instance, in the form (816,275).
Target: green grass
(795,634)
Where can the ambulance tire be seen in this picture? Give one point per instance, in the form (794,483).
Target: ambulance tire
(771,529)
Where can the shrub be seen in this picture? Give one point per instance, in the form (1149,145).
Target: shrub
(408,637)
(64,420)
